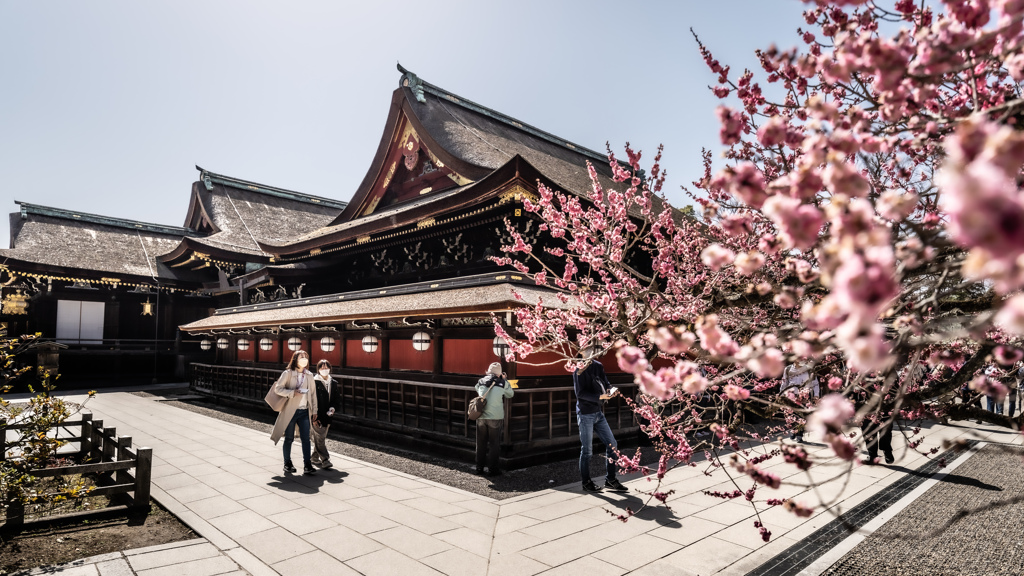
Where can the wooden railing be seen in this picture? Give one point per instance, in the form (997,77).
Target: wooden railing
(535,417)
(102,452)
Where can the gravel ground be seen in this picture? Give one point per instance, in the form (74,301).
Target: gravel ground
(971,523)
(445,471)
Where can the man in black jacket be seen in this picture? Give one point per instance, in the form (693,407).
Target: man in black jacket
(328,399)
(592,390)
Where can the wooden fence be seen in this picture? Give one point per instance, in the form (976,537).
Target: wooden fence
(120,470)
(536,418)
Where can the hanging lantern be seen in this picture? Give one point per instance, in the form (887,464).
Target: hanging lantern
(420,341)
(500,346)
(327,344)
(294,344)
(147,308)
(369,344)
(222,343)
(206,344)
(243,344)
(266,344)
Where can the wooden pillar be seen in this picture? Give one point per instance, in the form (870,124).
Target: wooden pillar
(438,350)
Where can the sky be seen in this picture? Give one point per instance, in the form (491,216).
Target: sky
(106,107)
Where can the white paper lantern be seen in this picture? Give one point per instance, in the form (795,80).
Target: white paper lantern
(500,346)
(420,341)
(223,343)
(327,344)
(294,344)
(243,344)
(369,344)
(266,344)
(206,344)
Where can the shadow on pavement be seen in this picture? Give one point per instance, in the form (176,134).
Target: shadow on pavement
(302,484)
(949,478)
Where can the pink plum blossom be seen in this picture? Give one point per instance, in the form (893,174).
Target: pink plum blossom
(717,256)
(833,411)
(799,223)
(734,392)
(769,364)
(631,359)
(1011,316)
(989,387)
(747,263)
(671,341)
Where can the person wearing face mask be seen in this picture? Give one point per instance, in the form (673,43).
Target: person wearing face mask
(296,384)
(327,399)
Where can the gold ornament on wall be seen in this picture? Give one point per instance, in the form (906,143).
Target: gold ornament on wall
(15,304)
(147,308)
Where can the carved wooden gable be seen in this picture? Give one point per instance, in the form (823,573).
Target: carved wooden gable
(409,171)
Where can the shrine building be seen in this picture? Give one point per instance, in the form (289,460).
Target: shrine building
(395,287)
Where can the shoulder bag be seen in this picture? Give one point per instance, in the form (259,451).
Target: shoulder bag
(476,405)
(275,400)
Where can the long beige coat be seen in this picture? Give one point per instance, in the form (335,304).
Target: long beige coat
(286,386)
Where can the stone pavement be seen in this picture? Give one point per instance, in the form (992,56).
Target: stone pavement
(226,483)
(189,557)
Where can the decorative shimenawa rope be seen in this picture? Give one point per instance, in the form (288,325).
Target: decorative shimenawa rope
(246,226)
(152,271)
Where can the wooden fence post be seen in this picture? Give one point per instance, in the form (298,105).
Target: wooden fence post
(15,516)
(123,454)
(85,444)
(143,476)
(109,444)
(96,440)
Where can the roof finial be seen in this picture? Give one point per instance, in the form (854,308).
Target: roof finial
(411,81)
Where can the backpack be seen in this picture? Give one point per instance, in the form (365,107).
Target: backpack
(477,405)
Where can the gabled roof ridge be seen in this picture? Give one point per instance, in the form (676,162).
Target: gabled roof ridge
(208,178)
(417,85)
(27,208)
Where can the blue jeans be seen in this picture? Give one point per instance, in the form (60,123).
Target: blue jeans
(994,406)
(301,417)
(589,423)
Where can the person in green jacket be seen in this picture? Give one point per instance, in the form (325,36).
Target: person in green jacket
(488,425)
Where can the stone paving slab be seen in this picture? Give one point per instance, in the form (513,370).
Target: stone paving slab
(225,481)
(193,557)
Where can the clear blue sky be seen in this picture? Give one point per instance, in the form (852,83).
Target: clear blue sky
(106,107)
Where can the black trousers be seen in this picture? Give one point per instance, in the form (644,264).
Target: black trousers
(488,444)
(877,436)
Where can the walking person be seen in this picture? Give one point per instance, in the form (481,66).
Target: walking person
(592,391)
(328,399)
(876,429)
(878,435)
(796,378)
(494,387)
(295,384)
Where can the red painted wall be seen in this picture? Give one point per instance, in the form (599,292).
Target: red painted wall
(405,357)
(246,355)
(557,369)
(467,356)
(610,363)
(272,355)
(356,358)
(334,356)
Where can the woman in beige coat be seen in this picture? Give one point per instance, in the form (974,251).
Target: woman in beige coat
(296,384)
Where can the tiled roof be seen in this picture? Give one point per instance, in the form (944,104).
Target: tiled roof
(496,297)
(54,237)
